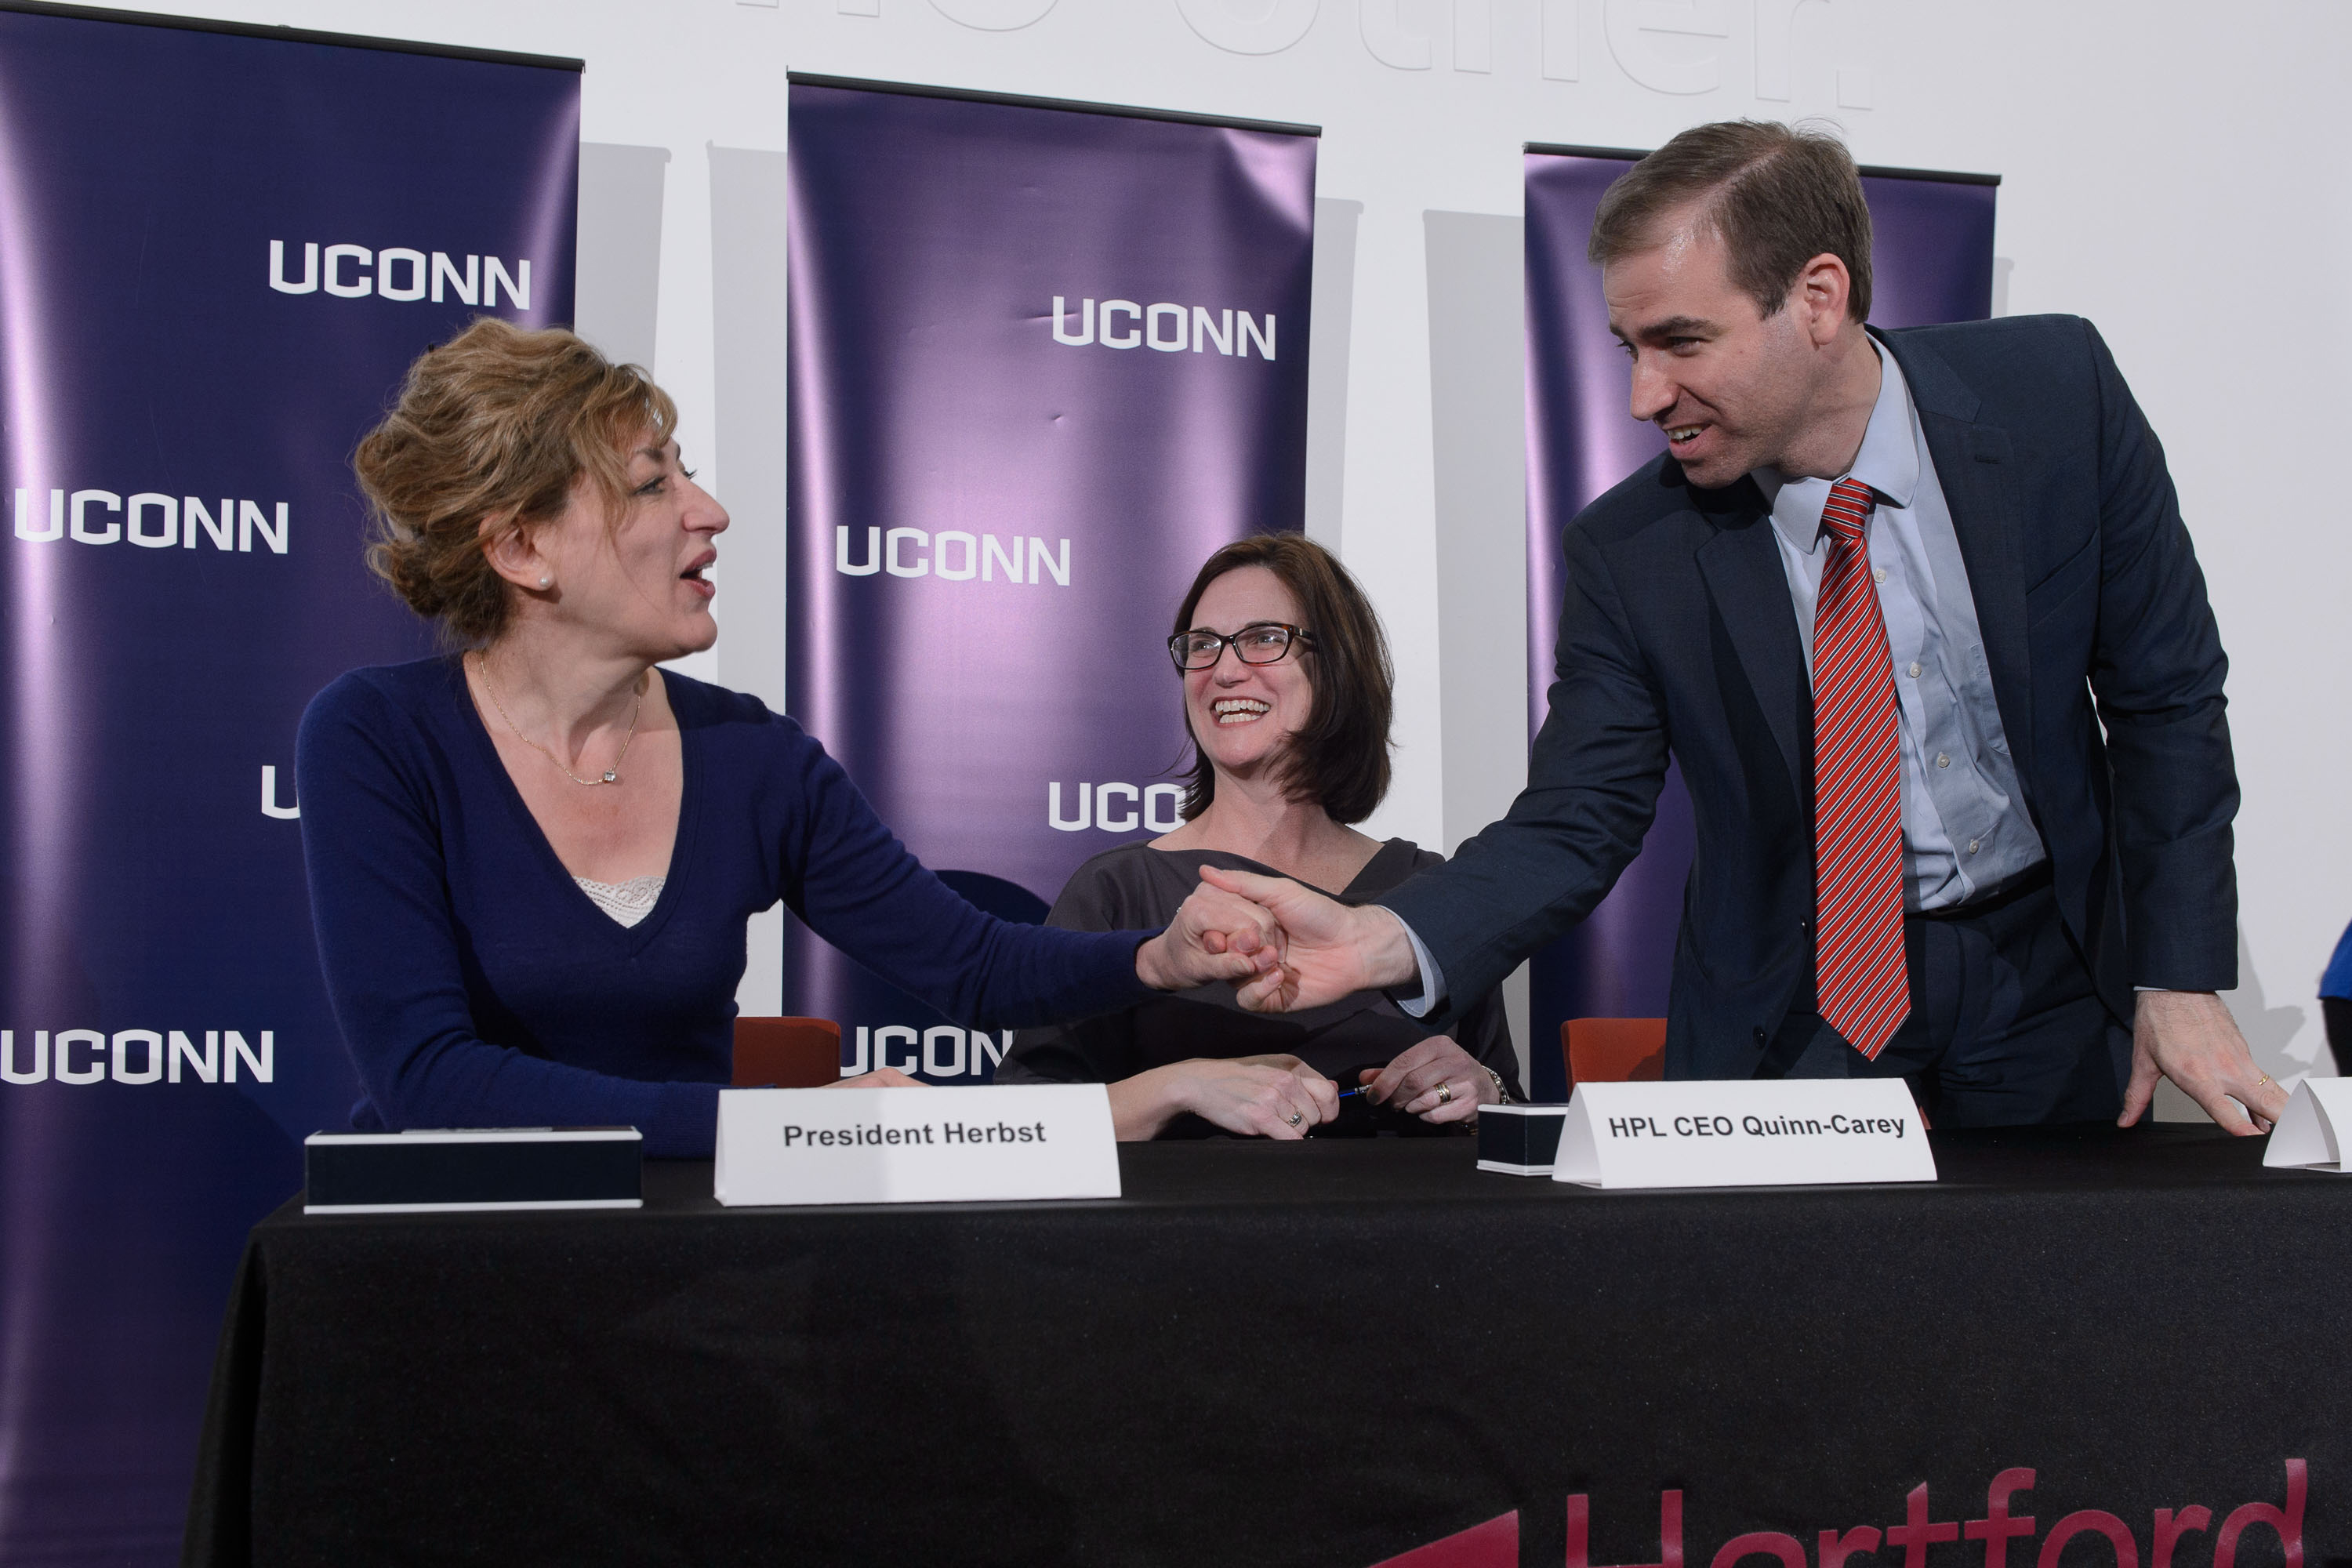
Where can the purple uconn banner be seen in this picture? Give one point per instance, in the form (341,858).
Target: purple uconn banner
(1045,358)
(219,247)
(1931,260)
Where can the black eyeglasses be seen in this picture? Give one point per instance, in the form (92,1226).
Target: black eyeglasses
(1267,642)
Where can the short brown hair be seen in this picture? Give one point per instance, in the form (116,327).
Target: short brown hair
(1779,196)
(497,424)
(1339,757)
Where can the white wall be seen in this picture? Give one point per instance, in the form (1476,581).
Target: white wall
(2174,169)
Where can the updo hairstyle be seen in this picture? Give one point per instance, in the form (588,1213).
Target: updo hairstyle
(1339,757)
(498,425)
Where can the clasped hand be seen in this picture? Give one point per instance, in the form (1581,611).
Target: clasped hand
(1217,934)
(1285,946)
(1324,949)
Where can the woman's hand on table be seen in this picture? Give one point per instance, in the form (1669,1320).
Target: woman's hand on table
(1259,1097)
(1216,935)
(881,1077)
(1411,1082)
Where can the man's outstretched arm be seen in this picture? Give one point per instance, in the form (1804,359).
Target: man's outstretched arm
(1594,778)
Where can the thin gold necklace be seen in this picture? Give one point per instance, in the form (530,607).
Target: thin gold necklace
(611,776)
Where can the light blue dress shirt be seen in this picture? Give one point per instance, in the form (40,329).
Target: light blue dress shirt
(1965,829)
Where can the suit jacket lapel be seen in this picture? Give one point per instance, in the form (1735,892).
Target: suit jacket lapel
(1744,576)
(1973,467)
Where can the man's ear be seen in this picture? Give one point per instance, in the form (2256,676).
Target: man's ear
(512,551)
(1819,296)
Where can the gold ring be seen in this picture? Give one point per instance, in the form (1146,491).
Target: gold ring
(2262,1080)
(1444,1092)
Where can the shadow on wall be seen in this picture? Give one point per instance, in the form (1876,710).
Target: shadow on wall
(618,295)
(1333,311)
(2270,1032)
(1478,383)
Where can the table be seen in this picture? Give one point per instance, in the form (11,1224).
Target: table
(1321,1353)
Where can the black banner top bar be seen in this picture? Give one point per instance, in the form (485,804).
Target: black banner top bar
(292,35)
(1173,116)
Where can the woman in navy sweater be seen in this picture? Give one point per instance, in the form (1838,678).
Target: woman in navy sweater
(531,862)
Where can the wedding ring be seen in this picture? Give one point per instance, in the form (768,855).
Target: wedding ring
(2262,1080)
(1294,1119)
(1444,1092)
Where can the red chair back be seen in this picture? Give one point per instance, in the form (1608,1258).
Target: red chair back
(786,1053)
(1613,1050)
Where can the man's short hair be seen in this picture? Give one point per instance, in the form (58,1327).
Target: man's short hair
(1779,196)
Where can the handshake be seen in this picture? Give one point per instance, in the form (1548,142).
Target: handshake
(1283,946)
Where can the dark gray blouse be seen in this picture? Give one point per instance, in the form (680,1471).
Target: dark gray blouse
(1135,888)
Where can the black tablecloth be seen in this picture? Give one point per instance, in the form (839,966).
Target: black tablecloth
(1322,1352)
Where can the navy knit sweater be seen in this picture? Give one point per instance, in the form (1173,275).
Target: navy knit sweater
(476,985)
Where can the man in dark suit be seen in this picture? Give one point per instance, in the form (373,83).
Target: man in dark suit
(1916,615)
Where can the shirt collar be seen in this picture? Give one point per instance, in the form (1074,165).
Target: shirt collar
(1888,463)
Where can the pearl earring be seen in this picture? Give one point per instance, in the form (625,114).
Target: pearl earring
(547,581)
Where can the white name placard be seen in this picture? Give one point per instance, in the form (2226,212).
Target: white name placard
(1785,1132)
(915,1145)
(2311,1132)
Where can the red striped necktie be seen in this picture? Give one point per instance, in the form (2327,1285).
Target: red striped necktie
(1860,986)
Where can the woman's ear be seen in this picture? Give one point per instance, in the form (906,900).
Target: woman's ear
(514,555)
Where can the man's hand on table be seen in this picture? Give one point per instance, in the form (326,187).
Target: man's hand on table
(2190,1037)
(1329,949)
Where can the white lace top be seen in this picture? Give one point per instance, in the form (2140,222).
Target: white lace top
(627,902)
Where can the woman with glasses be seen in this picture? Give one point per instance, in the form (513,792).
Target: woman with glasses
(1286,688)
(533,859)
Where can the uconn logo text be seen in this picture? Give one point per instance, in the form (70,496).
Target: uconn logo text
(955,556)
(1170,329)
(136,1055)
(151,519)
(942,1051)
(397,273)
(1117,807)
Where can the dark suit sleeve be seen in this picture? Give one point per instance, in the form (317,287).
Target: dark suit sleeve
(1593,787)
(2157,670)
